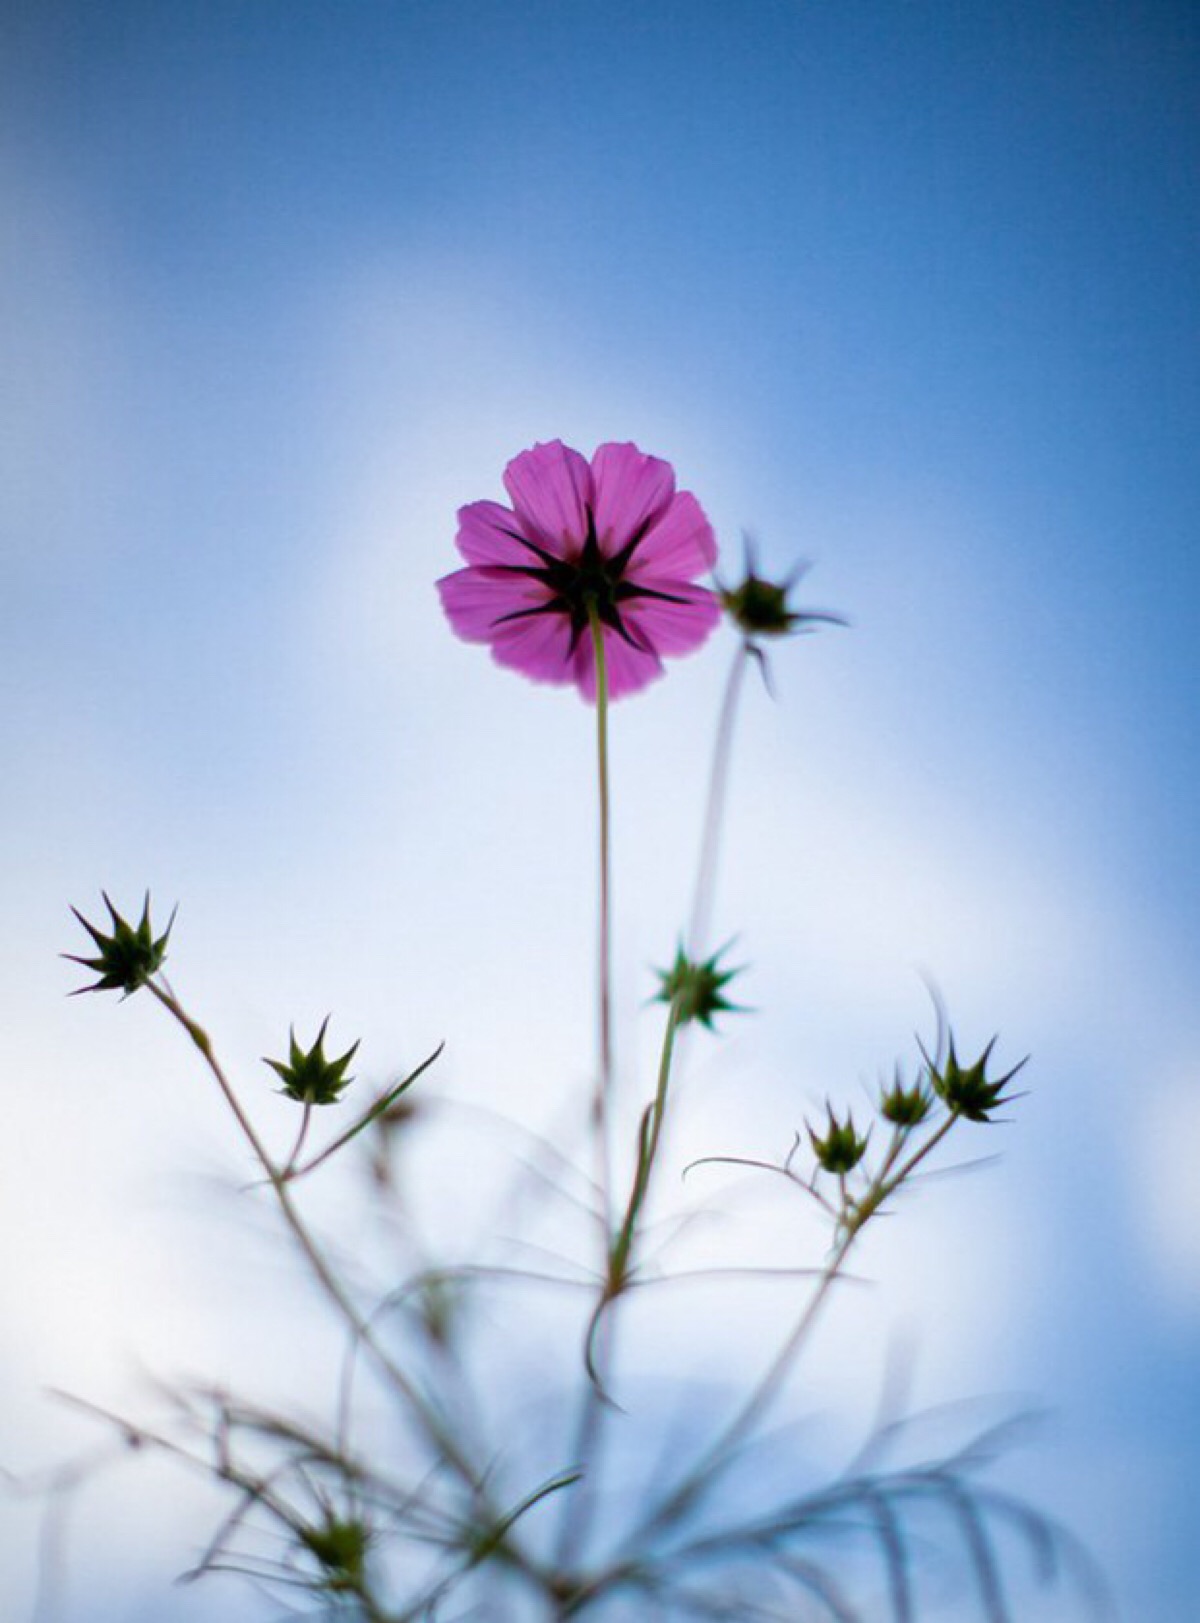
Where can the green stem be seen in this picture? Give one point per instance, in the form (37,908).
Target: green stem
(595,1406)
(624,1245)
(588,1432)
(602,1099)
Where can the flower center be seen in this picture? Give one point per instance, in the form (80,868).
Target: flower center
(590,582)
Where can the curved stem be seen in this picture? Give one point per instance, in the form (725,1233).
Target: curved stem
(624,1243)
(622,1246)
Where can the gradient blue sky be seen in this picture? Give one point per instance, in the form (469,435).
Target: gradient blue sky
(908,289)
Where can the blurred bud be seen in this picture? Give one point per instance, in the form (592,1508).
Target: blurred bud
(759,607)
(340,1548)
(841,1149)
(311,1078)
(128,957)
(438,1307)
(966,1090)
(697,989)
(905,1106)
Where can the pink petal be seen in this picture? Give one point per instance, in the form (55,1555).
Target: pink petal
(628,488)
(486,535)
(550,488)
(538,647)
(672,627)
(627,669)
(680,543)
(475,599)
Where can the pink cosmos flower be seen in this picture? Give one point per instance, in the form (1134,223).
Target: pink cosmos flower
(614,534)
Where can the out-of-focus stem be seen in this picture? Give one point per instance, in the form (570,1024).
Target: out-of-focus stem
(622,1247)
(435,1431)
(714,813)
(856,1215)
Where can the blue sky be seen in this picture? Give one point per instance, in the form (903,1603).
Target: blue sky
(908,289)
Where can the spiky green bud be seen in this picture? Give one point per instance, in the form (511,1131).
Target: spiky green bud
(966,1090)
(760,608)
(128,956)
(696,989)
(310,1078)
(841,1149)
(905,1106)
(340,1548)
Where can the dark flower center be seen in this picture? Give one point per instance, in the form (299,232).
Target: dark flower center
(588,584)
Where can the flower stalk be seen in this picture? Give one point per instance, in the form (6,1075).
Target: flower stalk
(604,1073)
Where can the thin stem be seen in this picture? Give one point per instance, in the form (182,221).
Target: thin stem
(856,1216)
(289,1165)
(718,782)
(590,1423)
(434,1429)
(624,1245)
(595,1405)
(601,1103)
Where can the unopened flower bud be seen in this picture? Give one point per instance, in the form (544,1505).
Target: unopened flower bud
(841,1149)
(310,1078)
(127,956)
(340,1548)
(904,1106)
(696,989)
(966,1090)
(759,607)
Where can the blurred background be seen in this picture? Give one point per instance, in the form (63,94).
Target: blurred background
(905,288)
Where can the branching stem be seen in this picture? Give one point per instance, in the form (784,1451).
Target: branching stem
(436,1432)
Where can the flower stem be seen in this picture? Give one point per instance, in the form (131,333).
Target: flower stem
(596,1405)
(624,1244)
(714,814)
(601,1102)
(588,1429)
